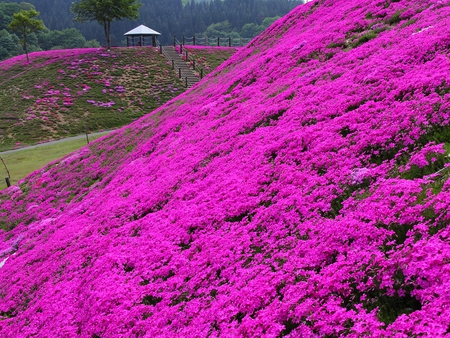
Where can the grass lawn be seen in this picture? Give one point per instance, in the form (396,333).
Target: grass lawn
(24,162)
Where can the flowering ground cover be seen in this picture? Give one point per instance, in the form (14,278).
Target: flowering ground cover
(63,93)
(300,190)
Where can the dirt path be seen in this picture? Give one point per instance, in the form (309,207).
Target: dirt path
(55,142)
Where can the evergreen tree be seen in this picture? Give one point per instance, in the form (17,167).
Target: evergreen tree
(25,23)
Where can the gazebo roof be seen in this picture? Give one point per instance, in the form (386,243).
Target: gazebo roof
(142,30)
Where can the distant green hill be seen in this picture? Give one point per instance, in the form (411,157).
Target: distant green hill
(63,93)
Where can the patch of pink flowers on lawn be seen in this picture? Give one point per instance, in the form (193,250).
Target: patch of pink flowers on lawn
(48,56)
(300,190)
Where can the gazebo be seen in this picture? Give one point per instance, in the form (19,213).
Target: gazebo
(140,33)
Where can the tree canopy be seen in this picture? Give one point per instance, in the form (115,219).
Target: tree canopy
(105,12)
(25,23)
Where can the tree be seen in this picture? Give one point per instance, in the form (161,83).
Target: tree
(105,12)
(250,30)
(268,21)
(25,23)
(65,39)
(9,45)
(220,29)
(92,44)
(6,12)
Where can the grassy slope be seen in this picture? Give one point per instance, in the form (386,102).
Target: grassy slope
(207,58)
(55,97)
(301,190)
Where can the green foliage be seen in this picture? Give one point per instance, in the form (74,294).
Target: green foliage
(224,29)
(65,39)
(25,161)
(220,29)
(92,44)
(395,18)
(7,9)
(9,45)
(250,30)
(269,21)
(392,307)
(436,162)
(365,38)
(105,12)
(25,23)
(409,23)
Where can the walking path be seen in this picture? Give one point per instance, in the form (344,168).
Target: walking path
(180,66)
(55,142)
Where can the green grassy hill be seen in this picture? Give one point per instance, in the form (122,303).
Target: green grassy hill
(65,93)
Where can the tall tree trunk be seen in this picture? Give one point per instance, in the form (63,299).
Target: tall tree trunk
(108,38)
(107,29)
(25,46)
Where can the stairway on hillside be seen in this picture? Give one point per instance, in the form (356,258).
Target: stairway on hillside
(180,66)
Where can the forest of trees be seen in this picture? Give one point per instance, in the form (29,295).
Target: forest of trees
(174,17)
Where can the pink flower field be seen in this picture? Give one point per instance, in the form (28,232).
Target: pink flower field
(299,190)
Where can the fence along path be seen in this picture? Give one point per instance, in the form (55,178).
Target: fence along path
(174,54)
(205,41)
(178,64)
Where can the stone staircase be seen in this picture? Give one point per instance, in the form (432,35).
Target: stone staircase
(180,66)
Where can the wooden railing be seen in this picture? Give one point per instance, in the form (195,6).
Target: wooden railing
(184,53)
(198,41)
(180,75)
(207,41)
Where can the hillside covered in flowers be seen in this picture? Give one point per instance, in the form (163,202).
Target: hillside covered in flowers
(300,190)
